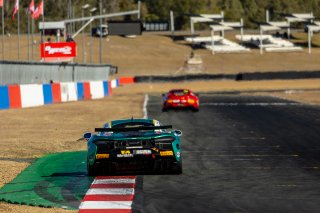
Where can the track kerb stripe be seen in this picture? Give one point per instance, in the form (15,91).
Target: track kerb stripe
(109,194)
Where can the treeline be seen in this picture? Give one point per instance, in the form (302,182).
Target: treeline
(251,11)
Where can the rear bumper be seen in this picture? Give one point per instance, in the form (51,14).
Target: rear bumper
(179,105)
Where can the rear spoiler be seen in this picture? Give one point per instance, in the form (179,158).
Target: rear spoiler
(128,129)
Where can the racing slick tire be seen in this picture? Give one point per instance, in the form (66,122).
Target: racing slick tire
(195,109)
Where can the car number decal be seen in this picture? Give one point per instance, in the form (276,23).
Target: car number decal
(102,156)
(166,153)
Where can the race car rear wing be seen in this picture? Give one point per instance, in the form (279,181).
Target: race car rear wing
(128,129)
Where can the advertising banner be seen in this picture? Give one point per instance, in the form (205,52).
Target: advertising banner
(59,51)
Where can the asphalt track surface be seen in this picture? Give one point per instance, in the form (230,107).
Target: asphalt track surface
(240,154)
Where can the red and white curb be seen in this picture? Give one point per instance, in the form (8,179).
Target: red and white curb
(109,194)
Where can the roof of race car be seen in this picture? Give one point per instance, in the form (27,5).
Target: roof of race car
(121,124)
(133,120)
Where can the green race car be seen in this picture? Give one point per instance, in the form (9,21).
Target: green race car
(134,144)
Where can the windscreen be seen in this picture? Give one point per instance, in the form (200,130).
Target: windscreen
(180,92)
(132,125)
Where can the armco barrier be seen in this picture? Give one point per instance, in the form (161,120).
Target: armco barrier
(4,97)
(14,96)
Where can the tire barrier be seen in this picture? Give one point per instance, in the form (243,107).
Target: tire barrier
(288,75)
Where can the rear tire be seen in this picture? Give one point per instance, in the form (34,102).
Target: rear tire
(195,109)
(91,170)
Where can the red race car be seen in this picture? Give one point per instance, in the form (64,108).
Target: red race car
(180,98)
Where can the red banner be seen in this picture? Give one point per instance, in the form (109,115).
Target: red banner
(58,51)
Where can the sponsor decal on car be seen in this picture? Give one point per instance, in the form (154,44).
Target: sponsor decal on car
(166,153)
(102,156)
(124,155)
(125,152)
(142,152)
(155,149)
(178,154)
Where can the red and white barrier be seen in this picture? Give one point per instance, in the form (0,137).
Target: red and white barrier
(96,88)
(31,95)
(109,194)
(68,91)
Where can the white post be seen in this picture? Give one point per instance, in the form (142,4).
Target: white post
(267,16)
(18,32)
(172,23)
(192,26)
(212,40)
(241,30)
(289,31)
(139,9)
(100,40)
(2,17)
(309,39)
(28,17)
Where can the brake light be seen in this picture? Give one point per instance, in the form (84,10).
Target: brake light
(170,101)
(191,101)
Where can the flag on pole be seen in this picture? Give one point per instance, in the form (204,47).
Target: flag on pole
(31,7)
(15,9)
(38,11)
(1,3)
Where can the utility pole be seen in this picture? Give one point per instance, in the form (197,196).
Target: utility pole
(100,43)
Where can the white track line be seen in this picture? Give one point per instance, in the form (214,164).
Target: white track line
(145,103)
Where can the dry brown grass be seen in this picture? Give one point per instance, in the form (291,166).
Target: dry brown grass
(153,54)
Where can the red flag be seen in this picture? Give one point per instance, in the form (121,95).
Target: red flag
(38,11)
(15,9)
(1,3)
(31,7)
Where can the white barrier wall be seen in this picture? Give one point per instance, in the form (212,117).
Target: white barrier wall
(31,95)
(96,88)
(68,91)
(114,83)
